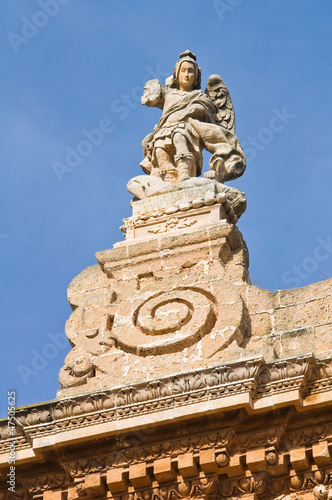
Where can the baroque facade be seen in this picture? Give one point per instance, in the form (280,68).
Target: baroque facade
(184,380)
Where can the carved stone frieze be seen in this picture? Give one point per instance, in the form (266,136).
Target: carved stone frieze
(205,202)
(240,455)
(132,454)
(45,482)
(20,494)
(255,378)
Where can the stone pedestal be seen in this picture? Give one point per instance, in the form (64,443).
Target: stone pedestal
(160,306)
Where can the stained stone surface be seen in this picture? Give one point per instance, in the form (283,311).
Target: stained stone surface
(159,306)
(250,429)
(196,202)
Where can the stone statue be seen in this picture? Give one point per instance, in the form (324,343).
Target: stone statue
(192,120)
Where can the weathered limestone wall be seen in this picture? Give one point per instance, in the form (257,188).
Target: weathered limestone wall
(155,307)
(289,322)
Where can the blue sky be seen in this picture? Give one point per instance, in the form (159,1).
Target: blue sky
(72,66)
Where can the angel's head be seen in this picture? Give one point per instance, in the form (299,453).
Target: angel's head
(187,73)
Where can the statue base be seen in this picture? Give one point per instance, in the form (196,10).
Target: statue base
(195,202)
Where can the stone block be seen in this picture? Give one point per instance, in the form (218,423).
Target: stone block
(323,338)
(138,475)
(300,341)
(329,307)
(115,480)
(207,460)
(304,314)
(54,495)
(321,454)
(89,298)
(72,493)
(225,230)
(261,324)
(193,238)
(234,468)
(175,259)
(309,292)
(186,465)
(255,460)
(94,485)
(259,300)
(221,251)
(299,459)
(90,279)
(178,221)
(149,263)
(276,468)
(143,248)
(118,254)
(163,471)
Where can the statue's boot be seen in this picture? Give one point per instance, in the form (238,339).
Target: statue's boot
(186,166)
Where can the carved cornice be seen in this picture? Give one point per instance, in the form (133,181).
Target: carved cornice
(207,487)
(129,454)
(45,482)
(256,380)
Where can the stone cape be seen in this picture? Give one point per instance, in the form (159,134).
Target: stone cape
(221,142)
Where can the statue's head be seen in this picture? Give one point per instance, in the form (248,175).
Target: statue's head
(190,59)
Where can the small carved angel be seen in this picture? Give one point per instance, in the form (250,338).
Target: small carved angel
(192,120)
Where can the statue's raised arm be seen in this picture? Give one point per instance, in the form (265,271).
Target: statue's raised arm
(192,120)
(154,94)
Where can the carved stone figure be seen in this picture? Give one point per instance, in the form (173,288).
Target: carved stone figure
(192,120)
(321,493)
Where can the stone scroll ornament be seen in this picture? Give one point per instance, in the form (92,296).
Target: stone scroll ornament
(167,321)
(192,120)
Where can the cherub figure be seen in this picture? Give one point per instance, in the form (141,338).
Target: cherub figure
(192,120)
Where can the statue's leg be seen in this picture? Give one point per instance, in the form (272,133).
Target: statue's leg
(180,143)
(168,170)
(183,158)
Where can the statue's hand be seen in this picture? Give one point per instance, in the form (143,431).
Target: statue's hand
(153,94)
(210,174)
(196,111)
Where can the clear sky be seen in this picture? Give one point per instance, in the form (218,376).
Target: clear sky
(69,65)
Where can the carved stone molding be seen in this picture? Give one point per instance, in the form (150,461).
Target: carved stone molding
(248,449)
(41,483)
(210,487)
(253,383)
